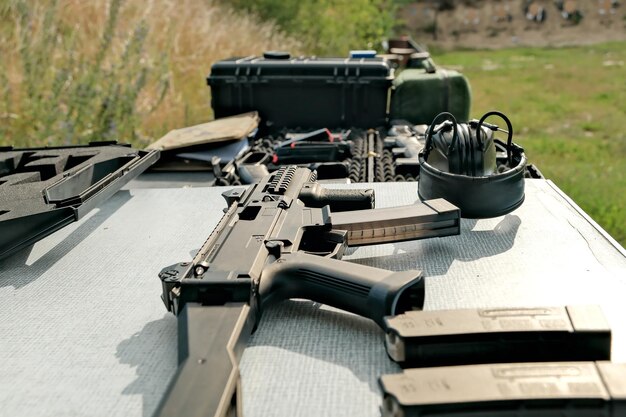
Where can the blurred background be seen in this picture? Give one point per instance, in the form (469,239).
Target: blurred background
(74,71)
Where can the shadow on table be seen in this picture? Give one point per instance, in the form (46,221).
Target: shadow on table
(347,340)
(434,256)
(153,353)
(282,327)
(17,273)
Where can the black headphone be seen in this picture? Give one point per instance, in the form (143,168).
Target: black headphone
(459,163)
(465,148)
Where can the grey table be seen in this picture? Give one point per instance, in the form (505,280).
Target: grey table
(84,333)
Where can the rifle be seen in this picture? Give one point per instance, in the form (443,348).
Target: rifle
(283,238)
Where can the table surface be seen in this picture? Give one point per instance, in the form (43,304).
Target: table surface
(84,331)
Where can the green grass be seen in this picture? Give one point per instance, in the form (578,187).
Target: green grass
(568,109)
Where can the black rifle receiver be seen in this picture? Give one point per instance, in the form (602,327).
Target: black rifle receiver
(283,238)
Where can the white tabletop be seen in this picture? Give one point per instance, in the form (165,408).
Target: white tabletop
(84,332)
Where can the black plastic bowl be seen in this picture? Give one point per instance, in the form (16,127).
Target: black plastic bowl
(477,197)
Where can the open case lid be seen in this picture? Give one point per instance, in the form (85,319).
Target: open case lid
(44,189)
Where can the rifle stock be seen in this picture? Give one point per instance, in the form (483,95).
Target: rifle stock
(210,344)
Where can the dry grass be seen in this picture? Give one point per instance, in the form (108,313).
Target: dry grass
(71,71)
(196,34)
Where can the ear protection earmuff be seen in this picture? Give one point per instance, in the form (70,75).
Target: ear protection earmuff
(441,142)
(485,143)
(463,148)
(459,163)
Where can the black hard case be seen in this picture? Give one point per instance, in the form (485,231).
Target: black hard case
(303,92)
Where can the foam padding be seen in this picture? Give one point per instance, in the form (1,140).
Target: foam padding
(42,189)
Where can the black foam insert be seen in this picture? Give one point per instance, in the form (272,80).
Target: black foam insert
(43,189)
